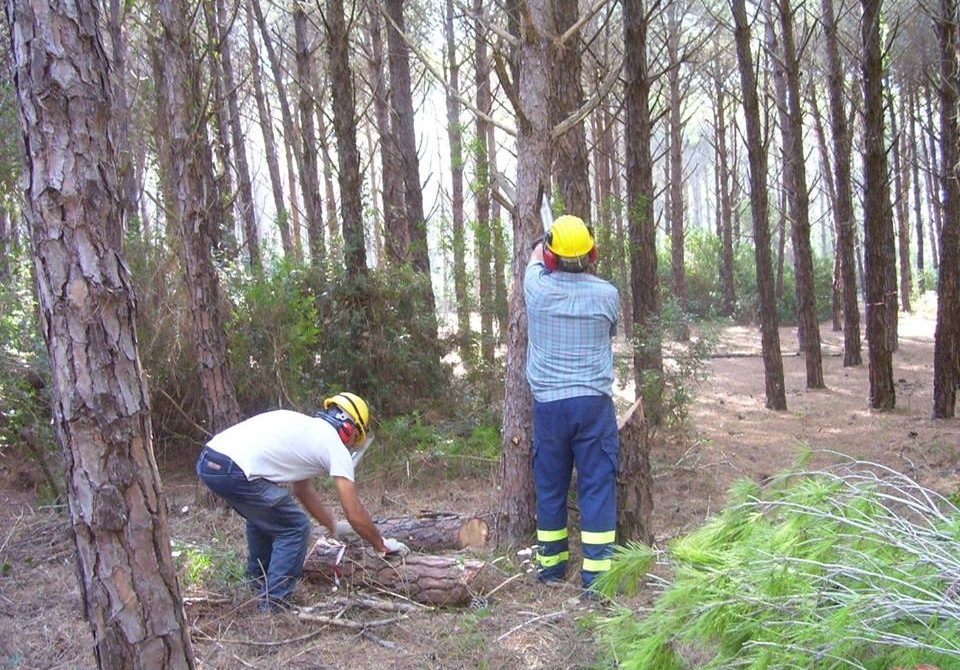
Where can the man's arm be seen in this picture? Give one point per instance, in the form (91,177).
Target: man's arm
(537,253)
(357,516)
(310,499)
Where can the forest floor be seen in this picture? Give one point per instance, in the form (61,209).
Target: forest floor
(523,625)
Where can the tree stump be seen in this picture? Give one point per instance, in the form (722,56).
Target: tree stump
(427,531)
(634,496)
(423,578)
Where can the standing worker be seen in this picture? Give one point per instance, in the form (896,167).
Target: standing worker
(246,465)
(572,317)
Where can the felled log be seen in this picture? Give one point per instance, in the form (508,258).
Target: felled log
(423,578)
(427,531)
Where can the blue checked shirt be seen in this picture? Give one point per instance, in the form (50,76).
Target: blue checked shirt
(571,318)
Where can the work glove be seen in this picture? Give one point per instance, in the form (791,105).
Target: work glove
(395,547)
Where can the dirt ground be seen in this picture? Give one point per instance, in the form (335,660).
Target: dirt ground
(522,624)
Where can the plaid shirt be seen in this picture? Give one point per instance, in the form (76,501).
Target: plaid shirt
(571,318)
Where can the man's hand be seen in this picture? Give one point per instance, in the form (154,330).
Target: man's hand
(395,546)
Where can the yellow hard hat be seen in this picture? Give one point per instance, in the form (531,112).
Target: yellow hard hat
(570,237)
(353,405)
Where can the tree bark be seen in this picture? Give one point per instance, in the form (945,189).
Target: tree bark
(634,494)
(269,139)
(397,235)
(402,125)
(642,228)
(876,201)
(901,196)
(291,137)
(800,205)
(844,220)
(769,325)
(197,207)
(310,166)
(100,401)
(914,162)
(427,531)
(516,514)
(946,354)
(248,215)
(676,180)
(431,580)
(483,237)
(455,140)
(726,205)
(571,163)
(345,129)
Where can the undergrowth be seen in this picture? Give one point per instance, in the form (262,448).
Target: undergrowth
(853,567)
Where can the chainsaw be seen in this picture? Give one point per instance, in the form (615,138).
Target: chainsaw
(358,453)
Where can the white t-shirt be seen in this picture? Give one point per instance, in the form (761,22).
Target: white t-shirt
(284,446)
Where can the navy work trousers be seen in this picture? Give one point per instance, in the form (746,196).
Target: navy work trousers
(579,432)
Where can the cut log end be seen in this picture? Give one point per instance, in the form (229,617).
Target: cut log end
(474,533)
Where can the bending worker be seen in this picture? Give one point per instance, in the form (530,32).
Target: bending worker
(572,317)
(246,465)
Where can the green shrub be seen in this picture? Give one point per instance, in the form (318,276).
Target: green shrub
(854,567)
(274,336)
(25,419)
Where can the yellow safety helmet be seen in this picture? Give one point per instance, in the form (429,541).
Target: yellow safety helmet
(569,239)
(354,406)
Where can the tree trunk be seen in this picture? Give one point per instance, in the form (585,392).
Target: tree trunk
(345,129)
(616,193)
(642,226)
(290,135)
(876,199)
(800,205)
(676,180)
(100,402)
(396,233)
(516,513)
(501,307)
(724,188)
(634,482)
(427,531)
(455,139)
(946,355)
(309,168)
(571,164)
(826,172)
(326,162)
(769,326)
(844,220)
(431,580)
(269,139)
(934,178)
(914,162)
(483,237)
(901,192)
(196,204)
(248,215)
(225,233)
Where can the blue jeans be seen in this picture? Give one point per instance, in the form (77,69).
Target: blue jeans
(277,528)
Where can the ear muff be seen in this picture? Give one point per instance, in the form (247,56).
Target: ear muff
(550,260)
(347,431)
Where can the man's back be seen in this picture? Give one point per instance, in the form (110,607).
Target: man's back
(571,319)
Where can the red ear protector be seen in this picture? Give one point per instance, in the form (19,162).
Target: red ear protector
(342,421)
(553,262)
